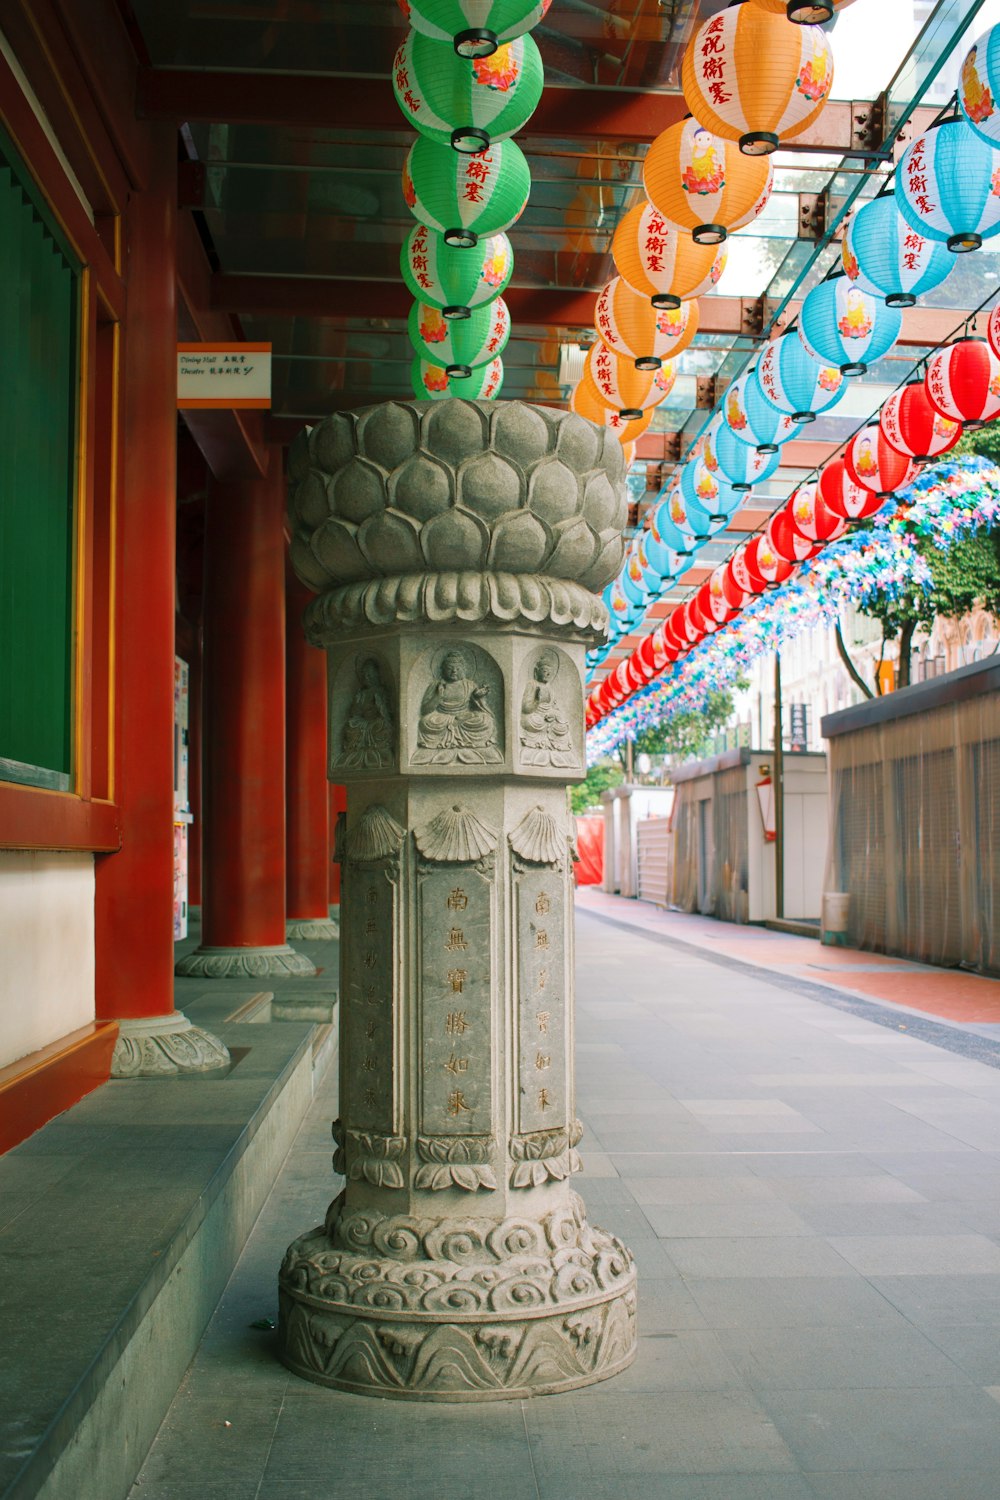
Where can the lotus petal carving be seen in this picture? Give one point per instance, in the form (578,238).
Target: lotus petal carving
(539,838)
(456,837)
(376,835)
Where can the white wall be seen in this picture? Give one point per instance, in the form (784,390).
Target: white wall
(46,948)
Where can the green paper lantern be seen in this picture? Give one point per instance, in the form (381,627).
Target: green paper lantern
(455,280)
(464,197)
(432,383)
(460,346)
(464,104)
(475,28)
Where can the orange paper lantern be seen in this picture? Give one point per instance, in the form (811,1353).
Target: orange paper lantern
(662,263)
(585,403)
(804,12)
(618,384)
(630,326)
(703,184)
(750,78)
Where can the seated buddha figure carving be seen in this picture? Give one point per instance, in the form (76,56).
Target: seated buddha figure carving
(545,733)
(367,736)
(455,725)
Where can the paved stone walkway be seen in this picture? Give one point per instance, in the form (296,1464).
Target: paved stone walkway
(812,1193)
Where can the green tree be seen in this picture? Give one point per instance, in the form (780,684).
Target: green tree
(966,574)
(685,735)
(586,796)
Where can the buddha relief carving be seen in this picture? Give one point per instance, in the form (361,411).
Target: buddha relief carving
(546,739)
(369,732)
(457,723)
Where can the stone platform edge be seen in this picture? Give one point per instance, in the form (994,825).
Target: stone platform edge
(103,1410)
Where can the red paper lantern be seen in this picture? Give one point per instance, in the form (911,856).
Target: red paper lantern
(911,425)
(722,607)
(739,573)
(840,494)
(701,605)
(873,463)
(812,517)
(785,540)
(736,595)
(963,382)
(993,330)
(764,564)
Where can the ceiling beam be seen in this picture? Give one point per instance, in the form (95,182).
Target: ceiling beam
(186,95)
(555,307)
(335,102)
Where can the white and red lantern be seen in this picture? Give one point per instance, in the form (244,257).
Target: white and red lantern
(785,540)
(719,600)
(765,566)
(843,496)
(872,462)
(812,517)
(963,382)
(911,425)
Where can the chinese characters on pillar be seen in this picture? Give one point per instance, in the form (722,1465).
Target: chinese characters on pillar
(456,976)
(367,1069)
(541,1001)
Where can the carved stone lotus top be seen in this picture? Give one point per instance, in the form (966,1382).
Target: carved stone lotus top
(418,487)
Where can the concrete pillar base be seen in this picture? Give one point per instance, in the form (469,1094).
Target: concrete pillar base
(237,963)
(165,1046)
(311,930)
(461,1311)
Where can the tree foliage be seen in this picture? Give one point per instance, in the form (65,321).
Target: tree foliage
(685,736)
(586,797)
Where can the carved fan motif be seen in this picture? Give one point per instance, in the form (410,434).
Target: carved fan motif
(456,836)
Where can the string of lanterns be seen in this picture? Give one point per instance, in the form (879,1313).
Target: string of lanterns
(467,77)
(945,201)
(884,457)
(704,178)
(946,503)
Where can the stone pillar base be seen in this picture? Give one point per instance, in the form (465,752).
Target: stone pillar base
(455,1310)
(311,930)
(165,1046)
(239,963)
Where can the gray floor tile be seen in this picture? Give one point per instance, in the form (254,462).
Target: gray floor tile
(881,1357)
(763,1256)
(942,1484)
(919,1254)
(906,1429)
(682,1191)
(722,1220)
(931,1301)
(798,1302)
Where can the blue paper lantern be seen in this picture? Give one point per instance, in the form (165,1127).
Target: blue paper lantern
(884,255)
(664,533)
(847,326)
(753,420)
(790,379)
(742,465)
(979,86)
(707,499)
(948,186)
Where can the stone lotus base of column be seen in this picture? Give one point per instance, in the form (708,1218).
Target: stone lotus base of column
(230,963)
(311,930)
(165,1046)
(456,1309)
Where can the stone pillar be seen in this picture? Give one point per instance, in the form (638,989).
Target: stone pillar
(134,898)
(243,719)
(459,547)
(307,799)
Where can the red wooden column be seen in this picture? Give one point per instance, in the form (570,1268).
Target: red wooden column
(307,813)
(134,948)
(338,805)
(243,734)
